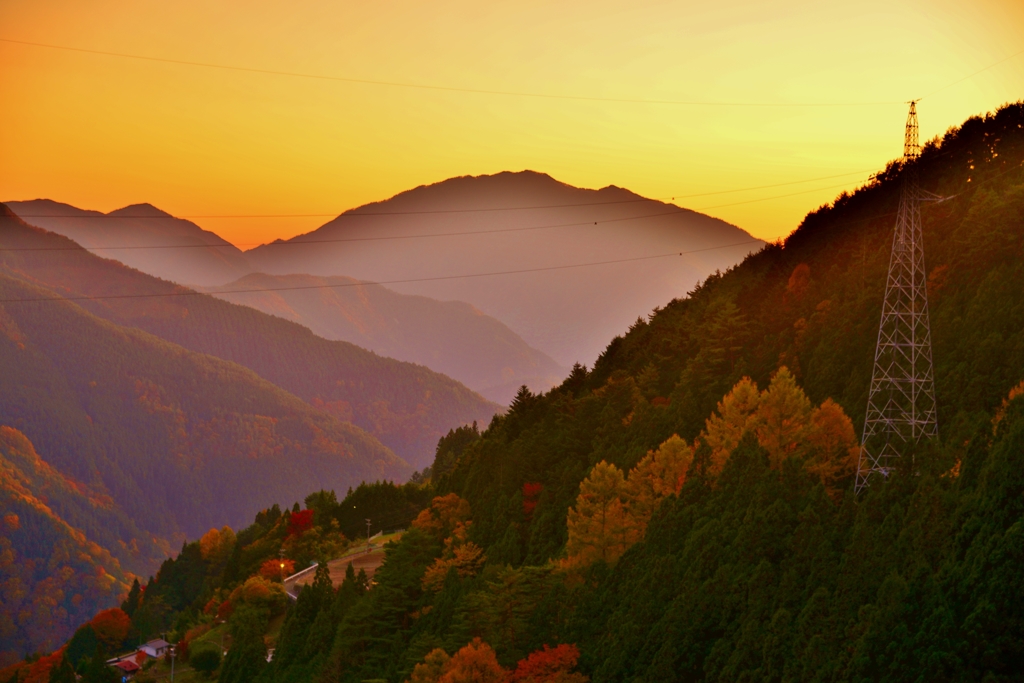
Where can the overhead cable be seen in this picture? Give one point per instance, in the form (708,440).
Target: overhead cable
(443,88)
(189,292)
(379,238)
(356,213)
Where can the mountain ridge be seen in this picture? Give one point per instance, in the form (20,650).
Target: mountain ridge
(126,232)
(451,337)
(407,406)
(514,221)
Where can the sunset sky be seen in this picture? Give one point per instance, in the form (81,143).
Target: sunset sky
(101,131)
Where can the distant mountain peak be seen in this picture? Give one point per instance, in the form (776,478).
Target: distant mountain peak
(49,207)
(141,210)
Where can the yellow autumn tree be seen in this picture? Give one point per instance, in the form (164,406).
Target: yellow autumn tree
(832,444)
(431,668)
(599,525)
(786,425)
(474,663)
(466,557)
(444,514)
(782,420)
(660,473)
(215,546)
(734,417)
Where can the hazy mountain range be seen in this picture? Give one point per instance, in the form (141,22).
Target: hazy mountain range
(523,221)
(407,407)
(462,226)
(452,337)
(143,237)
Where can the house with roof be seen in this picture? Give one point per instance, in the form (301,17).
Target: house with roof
(127,669)
(155,648)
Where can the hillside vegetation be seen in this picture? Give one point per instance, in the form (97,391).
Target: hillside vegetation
(180,440)
(684,510)
(405,406)
(760,568)
(61,551)
(120,444)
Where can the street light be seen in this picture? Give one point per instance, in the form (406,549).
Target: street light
(173,654)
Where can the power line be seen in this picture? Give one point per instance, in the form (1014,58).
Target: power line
(355,213)
(442,88)
(362,239)
(444,234)
(188,292)
(967,78)
(765,199)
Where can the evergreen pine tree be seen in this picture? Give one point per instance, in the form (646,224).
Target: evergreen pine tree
(248,654)
(63,672)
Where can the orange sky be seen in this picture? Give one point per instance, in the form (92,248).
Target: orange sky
(102,132)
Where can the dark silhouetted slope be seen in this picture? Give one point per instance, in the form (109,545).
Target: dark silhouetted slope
(447,336)
(568,314)
(406,406)
(206,259)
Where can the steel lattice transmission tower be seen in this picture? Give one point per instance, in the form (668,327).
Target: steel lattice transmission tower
(901,401)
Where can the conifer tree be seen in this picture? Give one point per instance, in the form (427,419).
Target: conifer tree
(782,419)
(660,473)
(599,526)
(131,603)
(248,654)
(735,415)
(63,672)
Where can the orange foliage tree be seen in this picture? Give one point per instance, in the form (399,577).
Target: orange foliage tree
(431,668)
(277,569)
(612,510)
(466,557)
(474,663)
(449,515)
(216,546)
(599,526)
(549,665)
(443,515)
(111,627)
(660,473)
(786,425)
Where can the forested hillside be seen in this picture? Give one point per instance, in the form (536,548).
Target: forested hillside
(179,440)
(61,551)
(763,566)
(684,510)
(120,444)
(406,406)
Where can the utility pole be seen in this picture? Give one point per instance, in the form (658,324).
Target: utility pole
(901,400)
(367,536)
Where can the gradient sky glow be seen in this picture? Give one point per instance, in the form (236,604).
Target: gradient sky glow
(102,132)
